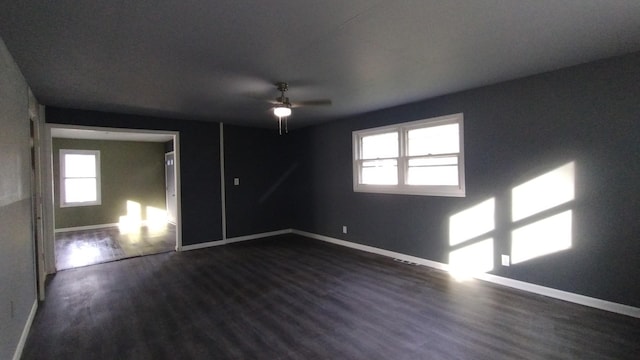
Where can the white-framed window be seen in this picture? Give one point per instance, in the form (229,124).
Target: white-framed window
(79,178)
(424,157)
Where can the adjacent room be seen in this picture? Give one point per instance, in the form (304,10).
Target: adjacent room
(320,180)
(112,192)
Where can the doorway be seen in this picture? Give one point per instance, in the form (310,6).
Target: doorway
(127,222)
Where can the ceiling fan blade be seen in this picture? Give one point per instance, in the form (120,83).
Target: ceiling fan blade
(257,96)
(321,102)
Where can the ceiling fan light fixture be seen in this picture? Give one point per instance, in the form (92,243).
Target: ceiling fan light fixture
(281,111)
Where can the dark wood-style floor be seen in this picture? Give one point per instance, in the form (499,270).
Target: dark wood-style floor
(289,297)
(88,247)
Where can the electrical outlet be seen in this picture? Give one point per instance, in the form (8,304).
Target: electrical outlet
(236,181)
(506,261)
(344,229)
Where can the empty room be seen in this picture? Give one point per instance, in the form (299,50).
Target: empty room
(320,179)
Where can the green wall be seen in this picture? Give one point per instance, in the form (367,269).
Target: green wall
(129,171)
(17,260)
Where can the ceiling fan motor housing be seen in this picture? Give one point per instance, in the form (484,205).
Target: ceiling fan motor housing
(283,100)
(282,86)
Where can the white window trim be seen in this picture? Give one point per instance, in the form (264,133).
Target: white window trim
(402,188)
(98,201)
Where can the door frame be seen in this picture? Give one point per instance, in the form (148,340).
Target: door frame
(48,183)
(36,121)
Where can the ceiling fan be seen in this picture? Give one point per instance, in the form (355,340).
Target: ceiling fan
(282,105)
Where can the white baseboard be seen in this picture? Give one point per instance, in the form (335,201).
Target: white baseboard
(99,226)
(563,295)
(235,240)
(86,227)
(516,284)
(25,331)
(375,250)
(258,236)
(202,245)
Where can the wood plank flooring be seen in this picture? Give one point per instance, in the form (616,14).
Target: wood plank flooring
(289,297)
(88,247)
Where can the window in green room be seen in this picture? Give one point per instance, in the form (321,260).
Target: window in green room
(79,178)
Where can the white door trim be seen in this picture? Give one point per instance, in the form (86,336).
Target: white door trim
(36,118)
(223,197)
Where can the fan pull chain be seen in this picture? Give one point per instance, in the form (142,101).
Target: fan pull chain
(286,125)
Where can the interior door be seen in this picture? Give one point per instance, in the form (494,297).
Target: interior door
(170,178)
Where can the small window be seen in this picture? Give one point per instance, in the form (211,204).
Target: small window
(79,178)
(422,157)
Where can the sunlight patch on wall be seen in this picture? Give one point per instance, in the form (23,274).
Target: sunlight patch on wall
(132,221)
(540,238)
(472,222)
(544,192)
(156,218)
(468,226)
(554,232)
(471,260)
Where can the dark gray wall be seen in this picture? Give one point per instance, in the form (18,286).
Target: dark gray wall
(129,171)
(17,258)
(199,164)
(264,164)
(514,132)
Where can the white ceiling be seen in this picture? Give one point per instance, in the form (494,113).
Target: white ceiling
(218,60)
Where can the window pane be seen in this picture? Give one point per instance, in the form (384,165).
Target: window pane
(433,161)
(80,190)
(443,139)
(433,175)
(79,165)
(380,146)
(380,172)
